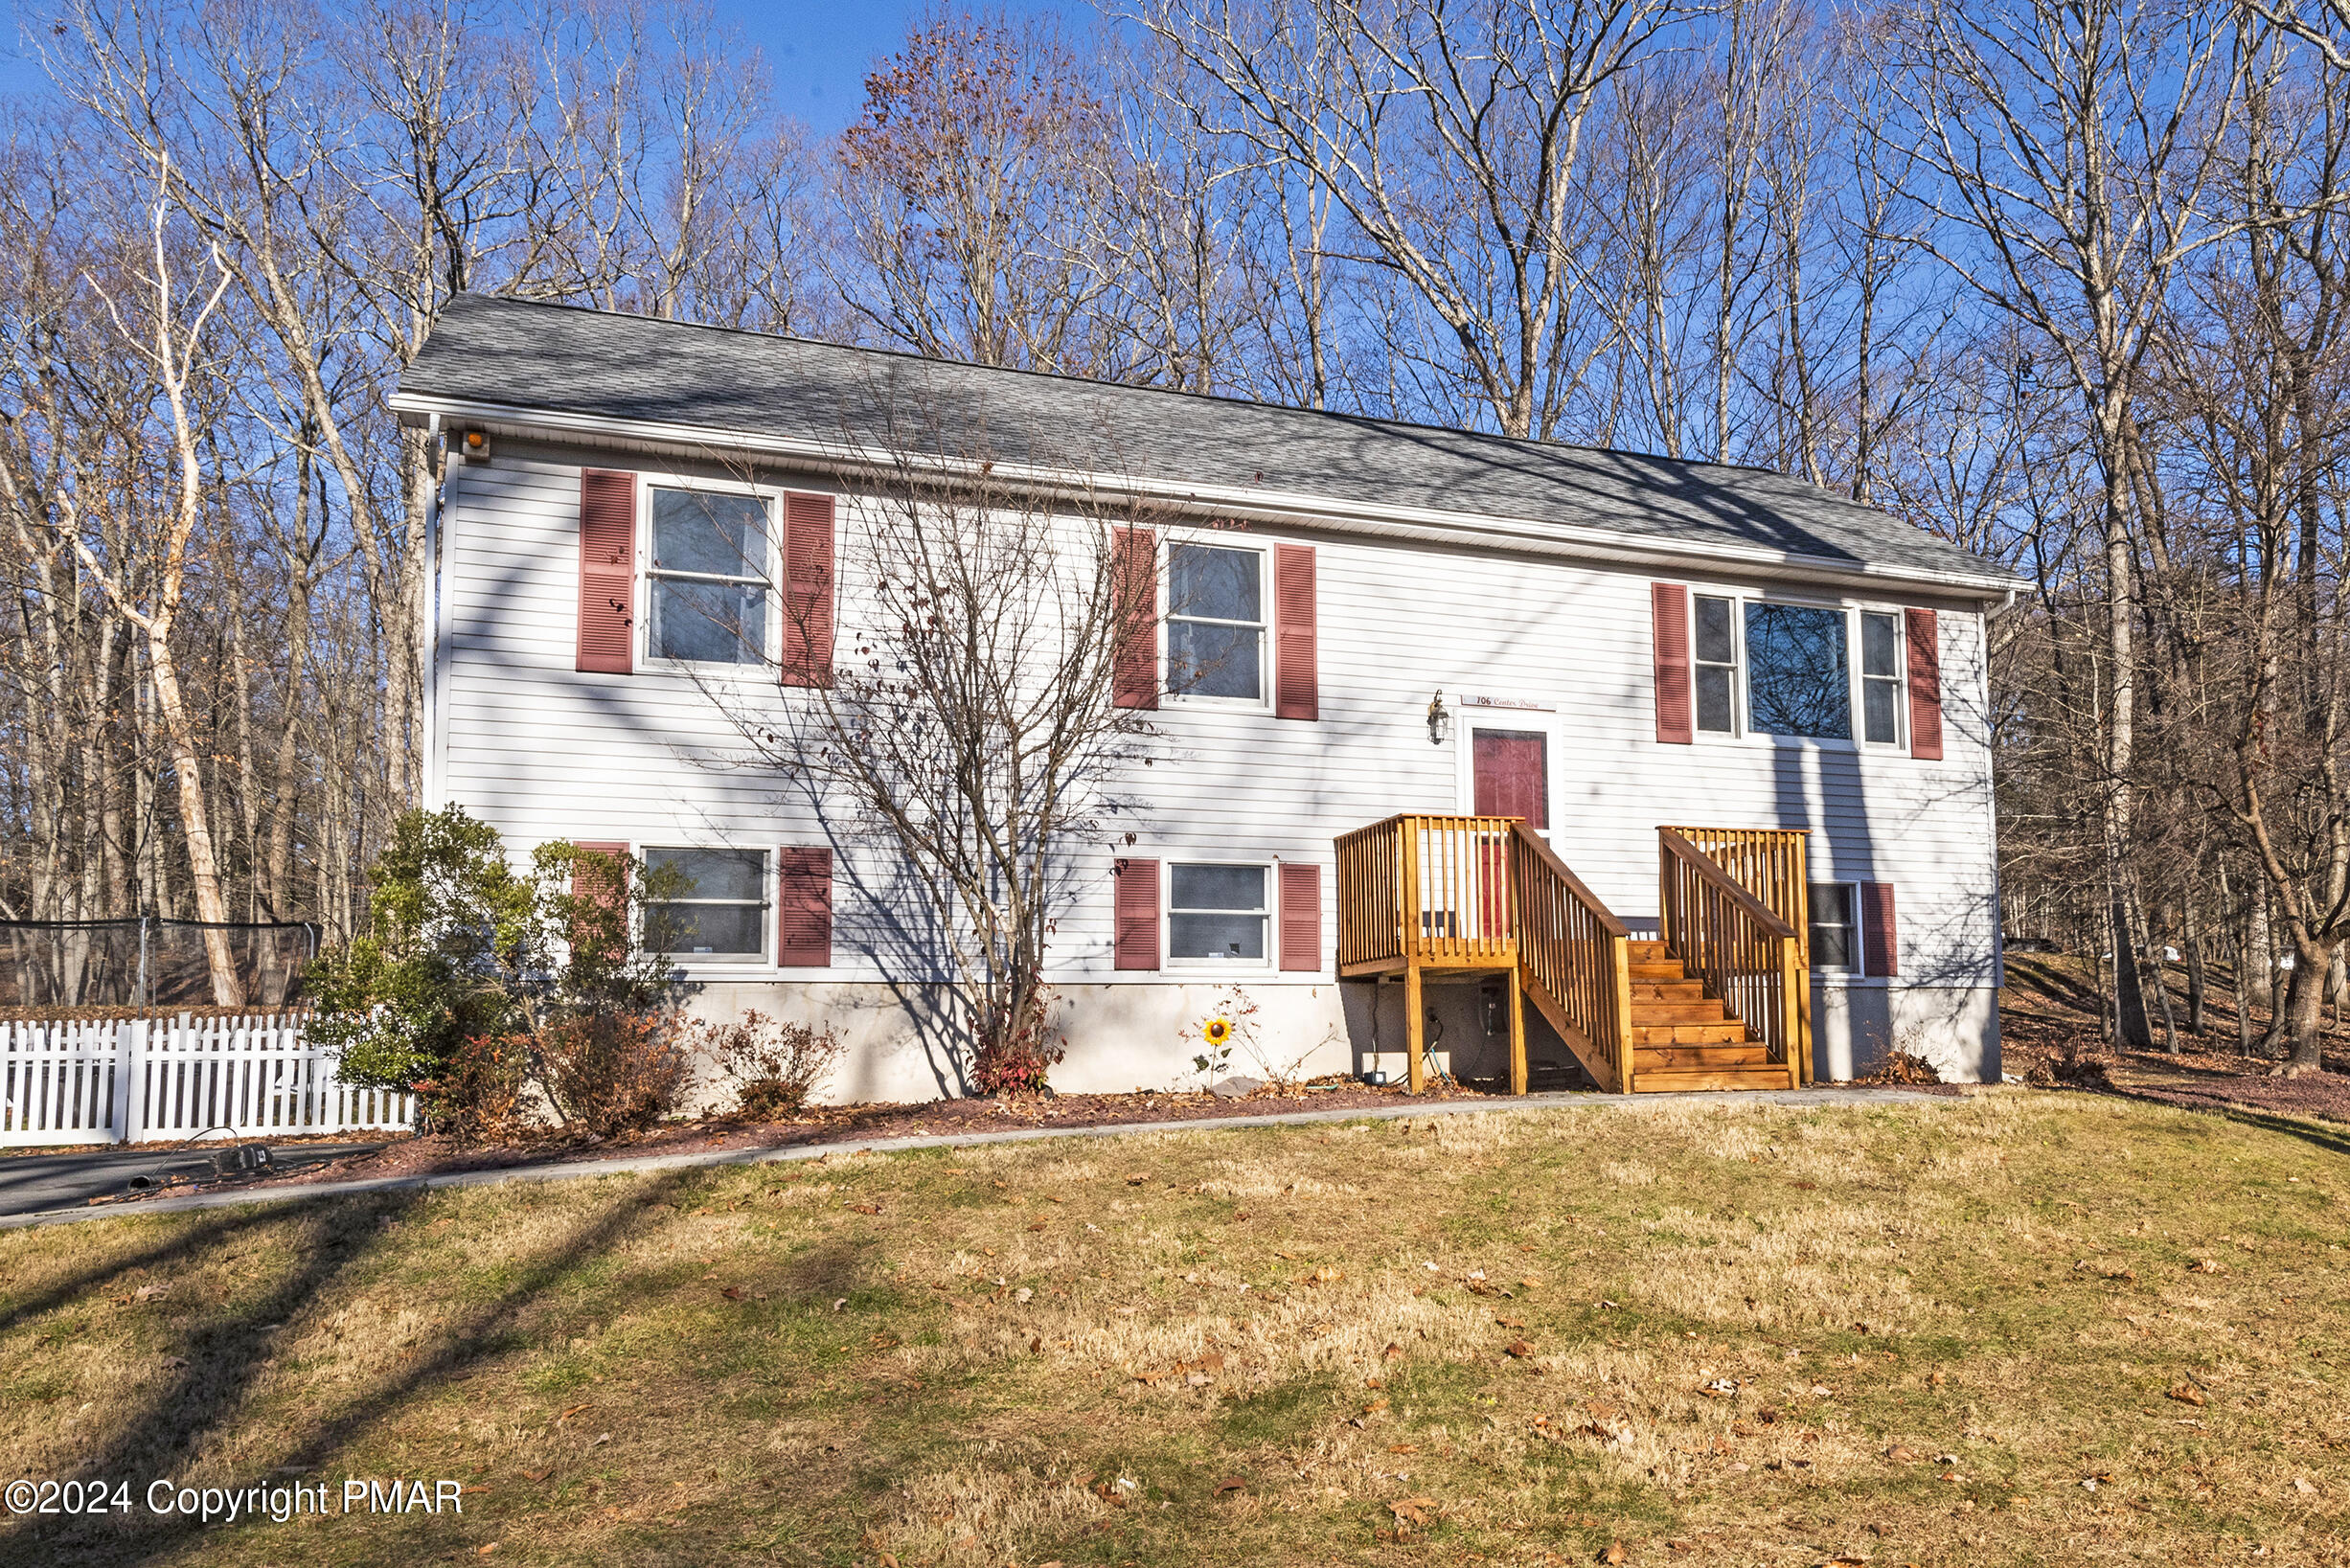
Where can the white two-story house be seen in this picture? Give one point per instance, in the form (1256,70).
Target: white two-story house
(1537,761)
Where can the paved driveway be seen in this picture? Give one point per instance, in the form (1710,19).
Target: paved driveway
(36,1183)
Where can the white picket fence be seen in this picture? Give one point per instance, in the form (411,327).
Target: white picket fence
(146,1079)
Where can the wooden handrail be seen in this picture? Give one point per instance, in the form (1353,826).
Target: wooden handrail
(1671,839)
(1727,937)
(1427,888)
(1577,952)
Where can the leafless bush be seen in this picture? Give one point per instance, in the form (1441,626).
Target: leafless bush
(775,1065)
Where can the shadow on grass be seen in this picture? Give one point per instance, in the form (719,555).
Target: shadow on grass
(207,1398)
(189,1241)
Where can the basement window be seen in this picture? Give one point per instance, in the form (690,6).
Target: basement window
(1216,914)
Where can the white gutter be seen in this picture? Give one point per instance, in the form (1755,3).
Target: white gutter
(432,791)
(1388,520)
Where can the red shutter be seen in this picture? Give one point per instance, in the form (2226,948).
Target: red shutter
(804,908)
(806,657)
(1297,688)
(1135,597)
(1670,602)
(599,881)
(1301,917)
(607,571)
(1135,938)
(1925,687)
(1879,940)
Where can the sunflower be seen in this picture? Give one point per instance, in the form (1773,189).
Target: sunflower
(1217,1030)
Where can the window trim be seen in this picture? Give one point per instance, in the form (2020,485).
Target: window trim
(1268,913)
(1857,969)
(763,954)
(1266,676)
(1898,679)
(1852,610)
(1737,666)
(769,496)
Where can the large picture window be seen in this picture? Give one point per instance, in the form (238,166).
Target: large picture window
(1798,670)
(1217,912)
(712,904)
(1216,622)
(709,576)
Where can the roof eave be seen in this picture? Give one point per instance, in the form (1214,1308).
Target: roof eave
(1254,504)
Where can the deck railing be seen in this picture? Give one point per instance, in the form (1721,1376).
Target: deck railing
(1768,862)
(1442,883)
(1725,936)
(1577,952)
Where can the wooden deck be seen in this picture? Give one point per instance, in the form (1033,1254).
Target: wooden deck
(1718,1001)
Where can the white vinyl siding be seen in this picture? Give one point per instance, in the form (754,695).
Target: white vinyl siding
(542,751)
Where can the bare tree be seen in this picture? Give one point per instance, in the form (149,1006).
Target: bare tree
(967,752)
(1451,139)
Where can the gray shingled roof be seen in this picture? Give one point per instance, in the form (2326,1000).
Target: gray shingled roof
(626,367)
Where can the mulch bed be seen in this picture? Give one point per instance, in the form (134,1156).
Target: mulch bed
(433,1155)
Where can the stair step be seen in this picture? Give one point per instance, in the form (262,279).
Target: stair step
(1665,969)
(1647,949)
(1730,1032)
(1729,1078)
(1669,1057)
(1696,1010)
(1667,990)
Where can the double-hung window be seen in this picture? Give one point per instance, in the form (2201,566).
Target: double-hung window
(1216,622)
(706,903)
(1716,670)
(709,576)
(1215,913)
(1835,927)
(1881,679)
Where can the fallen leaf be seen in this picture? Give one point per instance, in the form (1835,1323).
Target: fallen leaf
(1136,1181)
(537,1475)
(1901,1454)
(1414,1510)
(1230,1482)
(568,1414)
(2207,1266)
(733,1292)
(1037,1226)
(2188,1393)
(863,1208)
(1517,1348)
(1615,1551)
(1392,1350)
(1402,1447)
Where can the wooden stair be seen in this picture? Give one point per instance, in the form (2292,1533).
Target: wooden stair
(1685,1039)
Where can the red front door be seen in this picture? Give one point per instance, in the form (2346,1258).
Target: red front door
(1512,775)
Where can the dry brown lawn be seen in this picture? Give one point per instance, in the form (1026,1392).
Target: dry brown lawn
(2018,1327)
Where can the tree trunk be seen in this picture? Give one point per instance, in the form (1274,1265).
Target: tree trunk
(2196,983)
(195,826)
(2305,1004)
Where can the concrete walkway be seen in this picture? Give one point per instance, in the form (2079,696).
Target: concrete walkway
(32,1184)
(566,1170)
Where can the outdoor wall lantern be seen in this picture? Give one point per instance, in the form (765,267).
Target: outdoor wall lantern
(1439,720)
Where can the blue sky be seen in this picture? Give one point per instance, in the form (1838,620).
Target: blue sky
(817,54)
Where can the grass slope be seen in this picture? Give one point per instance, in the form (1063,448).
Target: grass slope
(1696,1329)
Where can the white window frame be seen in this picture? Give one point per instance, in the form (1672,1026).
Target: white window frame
(1262,701)
(1900,680)
(1746,734)
(1857,969)
(764,953)
(767,497)
(1737,665)
(1218,965)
